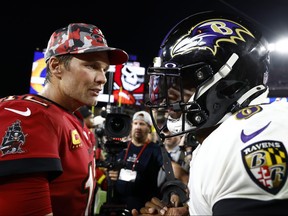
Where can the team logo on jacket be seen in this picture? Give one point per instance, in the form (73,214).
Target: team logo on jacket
(13,140)
(266,164)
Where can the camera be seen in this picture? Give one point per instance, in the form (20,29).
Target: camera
(117,125)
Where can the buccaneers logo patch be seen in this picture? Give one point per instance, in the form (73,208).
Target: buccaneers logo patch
(13,140)
(266,164)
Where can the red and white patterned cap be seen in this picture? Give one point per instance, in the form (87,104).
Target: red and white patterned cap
(82,38)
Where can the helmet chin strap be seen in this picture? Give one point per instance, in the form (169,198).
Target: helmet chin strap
(258,100)
(175,125)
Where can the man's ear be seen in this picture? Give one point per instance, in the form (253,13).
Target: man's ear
(150,129)
(55,67)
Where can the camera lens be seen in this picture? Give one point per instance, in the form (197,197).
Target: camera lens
(117,124)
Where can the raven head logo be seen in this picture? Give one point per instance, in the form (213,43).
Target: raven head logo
(208,34)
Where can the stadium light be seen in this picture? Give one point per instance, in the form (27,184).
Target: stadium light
(280,46)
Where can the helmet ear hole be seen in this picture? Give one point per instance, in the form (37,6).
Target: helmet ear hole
(200,76)
(230,90)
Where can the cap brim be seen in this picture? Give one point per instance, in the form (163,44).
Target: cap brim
(116,56)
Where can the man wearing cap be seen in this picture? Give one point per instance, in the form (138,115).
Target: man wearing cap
(47,161)
(174,148)
(137,180)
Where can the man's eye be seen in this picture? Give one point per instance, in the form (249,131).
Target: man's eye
(94,66)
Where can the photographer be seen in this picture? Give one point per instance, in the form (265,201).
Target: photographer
(136,182)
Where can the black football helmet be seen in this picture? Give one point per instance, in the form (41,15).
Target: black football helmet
(210,65)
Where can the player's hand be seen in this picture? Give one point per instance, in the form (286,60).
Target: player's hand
(175,200)
(152,207)
(113,174)
(158,208)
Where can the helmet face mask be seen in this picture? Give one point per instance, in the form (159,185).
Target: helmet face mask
(206,65)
